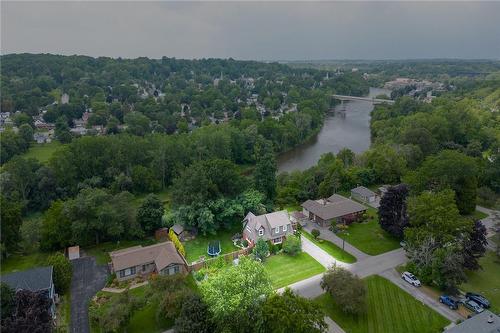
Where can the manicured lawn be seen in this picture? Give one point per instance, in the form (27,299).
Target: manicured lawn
(16,263)
(284,269)
(331,248)
(389,310)
(486,281)
(101,251)
(369,237)
(42,152)
(198,246)
(64,313)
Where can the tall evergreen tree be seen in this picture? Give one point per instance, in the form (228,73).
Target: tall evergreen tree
(475,246)
(393,216)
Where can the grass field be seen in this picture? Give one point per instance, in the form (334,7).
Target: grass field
(42,152)
(16,263)
(486,281)
(198,246)
(389,310)
(331,249)
(369,237)
(284,269)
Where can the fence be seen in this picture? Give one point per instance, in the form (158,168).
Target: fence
(228,257)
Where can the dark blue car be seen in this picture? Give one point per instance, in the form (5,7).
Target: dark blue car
(479,299)
(451,301)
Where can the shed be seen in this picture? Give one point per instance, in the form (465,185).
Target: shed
(73,252)
(364,194)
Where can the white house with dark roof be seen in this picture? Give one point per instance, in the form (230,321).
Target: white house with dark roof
(37,279)
(274,227)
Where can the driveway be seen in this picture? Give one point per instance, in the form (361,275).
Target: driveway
(326,234)
(393,276)
(88,279)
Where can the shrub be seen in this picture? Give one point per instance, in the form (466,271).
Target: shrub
(261,249)
(315,233)
(292,245)
(348,290)
(63,271)
(177,243)
(273,249)
(244,243)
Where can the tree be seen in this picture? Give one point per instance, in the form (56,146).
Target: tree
(149,213)
(170,292)
(194,316)
(7,300)
(292,245)
(61,131)
(137,123)
(30,235)
(265,169)
(11,222)
(31,313)
(346,156)
(475,246)
(116,314)
(347,290)
(62,270)
(231,293)
(388,164)
(393,217)
(447,268)
(26,133)
(177,243)
(289,312)
(315,233)
(261,249)
(56,228)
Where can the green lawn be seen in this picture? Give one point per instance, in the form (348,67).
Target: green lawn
(198,246)
(486,281)
(369,237)
(101,251)
(477,215)
(42,152)
(331,249)
(19,262)
(389,310)
(64,313)
(285,270)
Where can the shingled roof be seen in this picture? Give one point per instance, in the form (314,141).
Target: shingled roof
(333,207)
(162,254)
(35,279)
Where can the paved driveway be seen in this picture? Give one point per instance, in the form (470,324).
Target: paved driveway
(88,279)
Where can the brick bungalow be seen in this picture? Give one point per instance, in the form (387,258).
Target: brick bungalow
(335,209)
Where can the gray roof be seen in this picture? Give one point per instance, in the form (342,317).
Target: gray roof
(267,222)
(34,279)
(363,191)
(177,228)
(333,207)
(478,324)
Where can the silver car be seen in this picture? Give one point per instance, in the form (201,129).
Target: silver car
(411,279)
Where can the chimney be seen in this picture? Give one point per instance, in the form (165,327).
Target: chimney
(490,319)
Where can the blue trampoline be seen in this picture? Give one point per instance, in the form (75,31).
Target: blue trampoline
(214,248)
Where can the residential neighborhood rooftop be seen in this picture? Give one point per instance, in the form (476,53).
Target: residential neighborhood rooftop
(35,279)
(332,207)
(361,190)
(162,254)
(484,322)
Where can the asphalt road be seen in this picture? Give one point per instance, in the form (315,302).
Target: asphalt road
(88,279)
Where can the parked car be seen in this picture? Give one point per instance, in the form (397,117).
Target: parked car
(451,301)
(473,306)
(479,299)
(411,279)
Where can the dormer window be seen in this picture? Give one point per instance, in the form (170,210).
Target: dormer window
(261,232)
(284,227)
(277,230)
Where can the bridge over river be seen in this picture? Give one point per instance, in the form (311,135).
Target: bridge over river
(367,99)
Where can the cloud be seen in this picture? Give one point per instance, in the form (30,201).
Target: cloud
(254,30)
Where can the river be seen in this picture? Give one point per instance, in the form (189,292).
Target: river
(350,131)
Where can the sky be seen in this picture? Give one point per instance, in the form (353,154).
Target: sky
(254,30)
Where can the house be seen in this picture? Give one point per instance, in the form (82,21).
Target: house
(138,261)
(484,322)
(37,279)
(337,209)
(42,137)
(364,194)
(274,227)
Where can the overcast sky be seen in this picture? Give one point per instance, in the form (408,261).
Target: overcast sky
(254,30)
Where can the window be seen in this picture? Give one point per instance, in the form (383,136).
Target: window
(122,273)
(176,269)
(277,240)
(277,230)
(144,268)
(261,232)
(127,272)
(284,227)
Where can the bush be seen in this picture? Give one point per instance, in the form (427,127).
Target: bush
(292,245)
(315,233)
(273,249)
(63,271)
(177,243)
(348,290)
(244,243)
(261,249)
